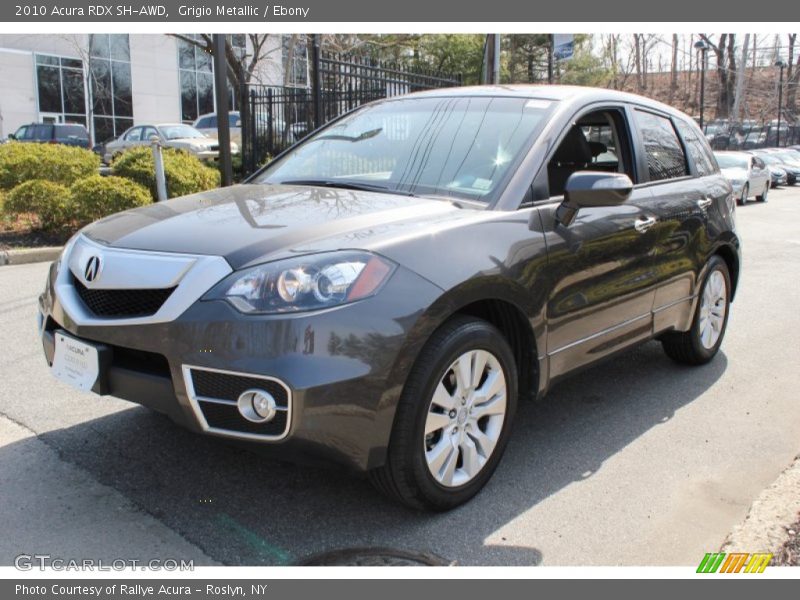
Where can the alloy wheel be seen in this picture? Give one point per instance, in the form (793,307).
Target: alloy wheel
(465,418)
(712,309)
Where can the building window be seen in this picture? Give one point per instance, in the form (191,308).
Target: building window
(112,91)
(60,90)
(197,80)
(297,65)
(197,77)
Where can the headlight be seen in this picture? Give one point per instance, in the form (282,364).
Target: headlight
(305,283)
(198,147)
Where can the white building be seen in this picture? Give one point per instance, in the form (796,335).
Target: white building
(111,82)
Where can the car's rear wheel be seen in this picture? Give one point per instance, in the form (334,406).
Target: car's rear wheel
(453,419)
(701,343)
(762,197)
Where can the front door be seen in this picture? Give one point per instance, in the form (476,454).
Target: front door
(600,266)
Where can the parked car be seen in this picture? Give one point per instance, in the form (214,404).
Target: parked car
(171,135)
(382,293)
(207,124)
(773,160)
(69,134)
(748,175)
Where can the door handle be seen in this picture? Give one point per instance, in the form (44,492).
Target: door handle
(704,203)
(643,224)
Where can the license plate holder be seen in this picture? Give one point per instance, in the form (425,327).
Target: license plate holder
(79,363)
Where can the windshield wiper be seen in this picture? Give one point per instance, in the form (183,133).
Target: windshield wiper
(346,185)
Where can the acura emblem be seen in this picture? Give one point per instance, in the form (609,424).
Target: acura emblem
(92,269)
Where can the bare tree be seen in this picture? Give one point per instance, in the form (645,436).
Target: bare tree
(724,50)
(242,65)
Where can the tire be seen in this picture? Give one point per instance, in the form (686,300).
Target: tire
(412,475)
(763,196)
(693,347)
(745,192)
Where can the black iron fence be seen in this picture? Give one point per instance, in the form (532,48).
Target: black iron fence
(724,136)
(274,117)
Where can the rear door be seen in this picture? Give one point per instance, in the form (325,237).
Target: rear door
(682,180)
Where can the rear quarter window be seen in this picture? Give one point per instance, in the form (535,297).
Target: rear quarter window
(698,149)
(663,149)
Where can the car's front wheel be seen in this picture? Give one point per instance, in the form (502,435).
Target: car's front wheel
(745,194)
(701,343)
(453,419)
(762,197)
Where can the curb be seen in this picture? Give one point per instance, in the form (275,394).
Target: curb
(772,515)
(29,255)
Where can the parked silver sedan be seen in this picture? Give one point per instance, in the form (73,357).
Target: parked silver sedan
(171,135)
(748,174)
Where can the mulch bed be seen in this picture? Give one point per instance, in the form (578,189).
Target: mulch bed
(28,238)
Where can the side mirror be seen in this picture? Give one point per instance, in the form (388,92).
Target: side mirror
(12,136)
(586,189)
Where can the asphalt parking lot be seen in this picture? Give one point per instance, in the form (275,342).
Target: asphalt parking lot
(635,462)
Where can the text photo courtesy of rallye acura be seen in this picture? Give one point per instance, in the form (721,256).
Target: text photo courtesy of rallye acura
(383,293)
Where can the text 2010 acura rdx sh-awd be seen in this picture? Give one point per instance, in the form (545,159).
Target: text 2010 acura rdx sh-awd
(382,294)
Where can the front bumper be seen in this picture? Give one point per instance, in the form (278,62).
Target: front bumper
(342,368)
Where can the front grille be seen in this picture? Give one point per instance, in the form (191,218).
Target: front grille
(122,303)
(214,147)
(215,394)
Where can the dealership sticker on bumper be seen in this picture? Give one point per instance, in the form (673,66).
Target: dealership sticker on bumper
(75,362)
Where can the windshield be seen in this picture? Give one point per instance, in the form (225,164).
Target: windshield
(769,159)
(177,132)
(459,147)
(732,161)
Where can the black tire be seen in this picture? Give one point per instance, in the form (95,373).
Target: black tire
(763,196)
(685,347)
(406,477)
(745,192)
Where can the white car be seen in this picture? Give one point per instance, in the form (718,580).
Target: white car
(748,175)
(207,124)
(171,135)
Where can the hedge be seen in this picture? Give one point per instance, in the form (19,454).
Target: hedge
(22,162)
(185,173)
(47,201)
(95,197)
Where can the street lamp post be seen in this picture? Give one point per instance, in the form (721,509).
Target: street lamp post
(781,65)
(702,46)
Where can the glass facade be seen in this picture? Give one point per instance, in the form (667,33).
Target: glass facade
(298,69)
(112,91)
(197,80)
(60,89)
(197,76)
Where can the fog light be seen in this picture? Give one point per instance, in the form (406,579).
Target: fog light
(256,406)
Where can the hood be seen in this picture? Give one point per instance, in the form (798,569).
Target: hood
(735,173)
(248,223)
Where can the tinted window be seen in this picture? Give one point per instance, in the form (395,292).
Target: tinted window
(65,132)
(206,123)
(134,135)
(697,148)
(41,132)
(665,157)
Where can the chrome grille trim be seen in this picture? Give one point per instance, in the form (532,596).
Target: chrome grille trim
(121,268)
